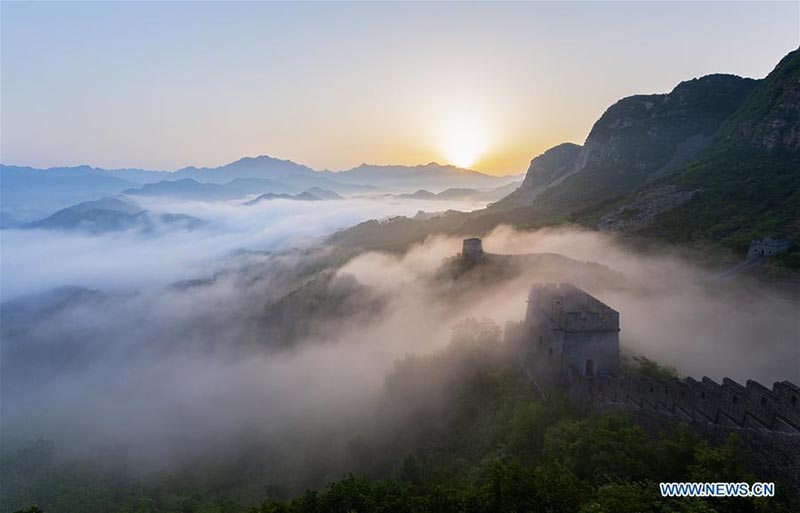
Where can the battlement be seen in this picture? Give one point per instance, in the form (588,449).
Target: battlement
(729,404)
(766,421)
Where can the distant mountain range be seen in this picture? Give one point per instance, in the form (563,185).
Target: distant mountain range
(111,215)
(323,194)
(434,177)
(28,193)
(716,159)
(313,194)
(189,189)
(457,193)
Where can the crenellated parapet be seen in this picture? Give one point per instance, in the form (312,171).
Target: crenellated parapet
(766,421)
(730,404)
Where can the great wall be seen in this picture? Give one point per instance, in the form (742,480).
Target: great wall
(569,341)
(764,420)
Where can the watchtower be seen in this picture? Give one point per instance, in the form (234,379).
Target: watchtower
(472,250)
(566,332)
(767,246)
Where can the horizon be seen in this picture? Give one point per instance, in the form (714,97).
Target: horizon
(481,87)
(253,157)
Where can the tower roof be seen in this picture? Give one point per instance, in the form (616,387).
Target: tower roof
(572,309)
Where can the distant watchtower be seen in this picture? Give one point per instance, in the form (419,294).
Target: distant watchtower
(767,246)
(472,250)
(566,331)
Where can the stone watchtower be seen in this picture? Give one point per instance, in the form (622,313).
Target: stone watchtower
(566,332)
(768,246)
(472,250)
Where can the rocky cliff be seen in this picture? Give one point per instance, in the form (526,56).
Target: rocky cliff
(546,170)
(743,185)
(636,139)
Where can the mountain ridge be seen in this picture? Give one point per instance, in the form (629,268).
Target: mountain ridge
(23,189)
(111,215)
(746,183)
(635,139)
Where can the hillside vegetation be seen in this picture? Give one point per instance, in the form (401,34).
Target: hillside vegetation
(748,181)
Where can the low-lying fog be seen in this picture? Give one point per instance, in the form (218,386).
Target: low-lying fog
(38,260)
(277,346)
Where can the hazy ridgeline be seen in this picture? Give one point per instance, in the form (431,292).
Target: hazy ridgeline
(182,349)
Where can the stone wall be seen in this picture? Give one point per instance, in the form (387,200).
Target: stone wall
(767,421)
(768,246)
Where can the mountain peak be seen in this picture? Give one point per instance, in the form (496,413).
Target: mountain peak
(770,117)
(714,80)
(256,159)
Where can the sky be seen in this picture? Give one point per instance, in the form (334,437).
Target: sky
(333,85)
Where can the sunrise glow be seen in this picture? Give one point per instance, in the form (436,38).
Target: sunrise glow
(463,143)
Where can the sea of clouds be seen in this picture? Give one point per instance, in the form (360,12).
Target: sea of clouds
(163,375)
(33,261)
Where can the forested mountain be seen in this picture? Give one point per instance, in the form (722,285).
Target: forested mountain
(746,184)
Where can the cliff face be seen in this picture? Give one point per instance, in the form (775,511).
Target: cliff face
(744,185)
(636,139)
(718,158)
(546,170)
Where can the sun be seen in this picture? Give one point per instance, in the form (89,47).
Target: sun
(463,143)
